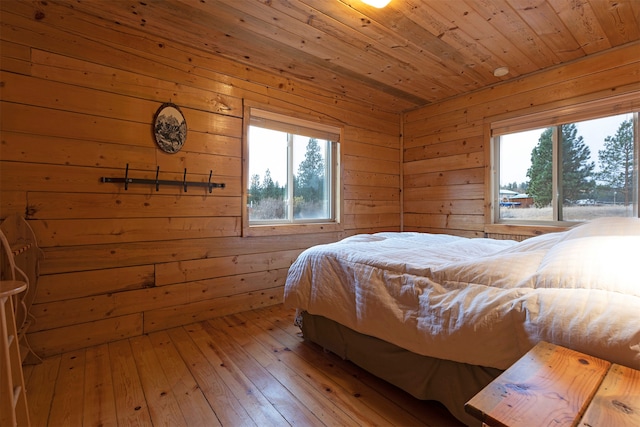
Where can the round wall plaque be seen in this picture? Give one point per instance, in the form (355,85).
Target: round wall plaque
(169,128)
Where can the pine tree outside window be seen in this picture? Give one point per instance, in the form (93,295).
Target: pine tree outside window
(569,172)
(293,170)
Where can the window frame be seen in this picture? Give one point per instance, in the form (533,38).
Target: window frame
(291,120)
(497,126)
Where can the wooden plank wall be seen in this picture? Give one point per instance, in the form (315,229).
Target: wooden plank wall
(445,144)
(78,95)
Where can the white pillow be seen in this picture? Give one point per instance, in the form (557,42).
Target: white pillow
(509,268)
(609,226)
(607,262)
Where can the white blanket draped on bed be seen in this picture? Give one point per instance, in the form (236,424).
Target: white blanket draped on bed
(482,301)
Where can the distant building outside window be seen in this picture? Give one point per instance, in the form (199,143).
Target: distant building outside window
(574,171)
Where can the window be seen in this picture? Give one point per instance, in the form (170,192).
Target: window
(574,171)
(292,170)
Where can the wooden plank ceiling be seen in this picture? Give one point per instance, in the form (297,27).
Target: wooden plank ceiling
(409,54)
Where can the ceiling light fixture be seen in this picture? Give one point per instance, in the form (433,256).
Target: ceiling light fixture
(376,3)
(501,71)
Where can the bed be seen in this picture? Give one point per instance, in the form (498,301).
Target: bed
(441,316)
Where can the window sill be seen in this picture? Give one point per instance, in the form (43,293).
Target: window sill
(519,231)
(280,229)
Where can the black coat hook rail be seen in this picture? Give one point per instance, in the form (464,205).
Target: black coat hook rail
(158,182)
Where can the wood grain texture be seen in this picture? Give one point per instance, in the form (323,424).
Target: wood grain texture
(617,401)
(98,388)
(550,385)
(79,92)
(81,82)
(403,55)
(40,386)
(131,405)
(249,368)
(400,57)
(453,136)
(68,393)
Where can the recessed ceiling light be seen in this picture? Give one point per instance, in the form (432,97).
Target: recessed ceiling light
(501,71)
(376,3)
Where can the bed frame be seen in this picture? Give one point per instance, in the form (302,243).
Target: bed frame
(450,383)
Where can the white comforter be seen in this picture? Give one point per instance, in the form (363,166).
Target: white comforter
(482,301)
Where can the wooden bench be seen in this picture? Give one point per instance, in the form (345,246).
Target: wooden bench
(555,386)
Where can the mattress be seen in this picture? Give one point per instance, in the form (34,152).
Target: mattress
(481,302)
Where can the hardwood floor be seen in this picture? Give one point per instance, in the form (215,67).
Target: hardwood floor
(252,368)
